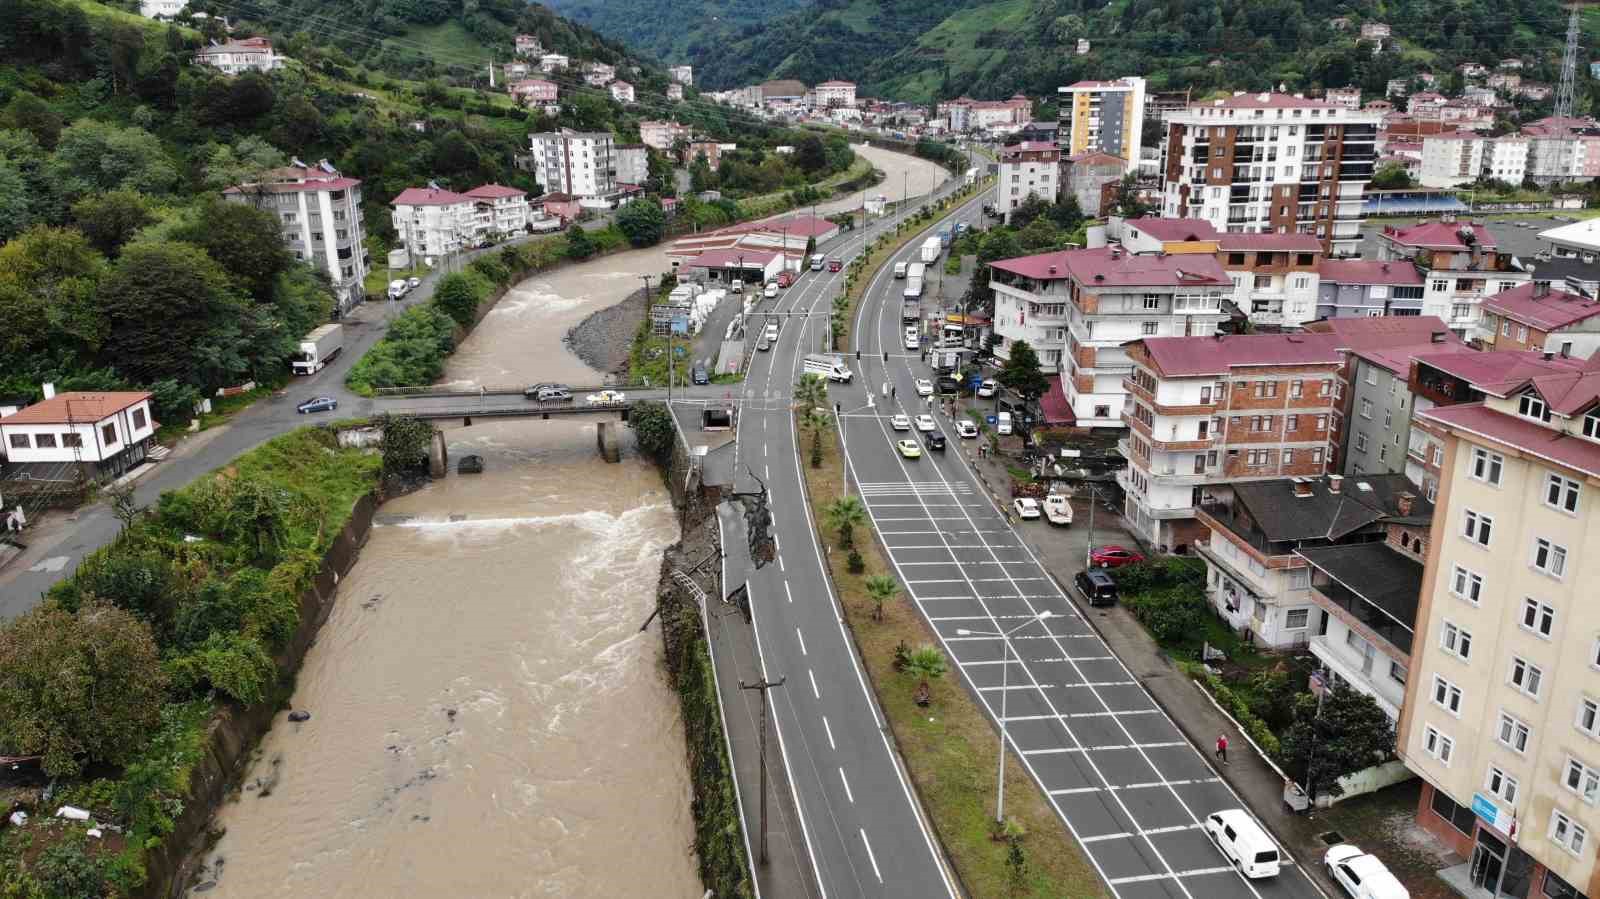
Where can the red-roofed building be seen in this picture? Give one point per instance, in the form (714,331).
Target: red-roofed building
(501,210)
(1077,308)
(1461,265)
(1274,163)
(320,211)
(787,234)
(250,54)
(535,92)
(1536,316)
(1087,176)
(101,433)
(430,222)
(1275,276)
(1367,287)
(1221,409)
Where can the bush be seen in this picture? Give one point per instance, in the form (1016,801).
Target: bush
(1172,614)
(411,353)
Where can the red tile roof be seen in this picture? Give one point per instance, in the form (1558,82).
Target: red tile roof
(837,84)
(1497,372)
(1204,356)
(1114,267)
(76,406)
(1095,157)
(427,196)
(1368,333)
(1479,420)
(1284,243)
(1367,271)
(491,191)
(1439,235)
(1397,359)
(1029,146)
(1174,229)
(1555,309)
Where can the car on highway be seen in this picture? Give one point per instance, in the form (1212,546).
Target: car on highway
(763,344)
(1360,875)
(1114,556)
(786,278)
(988,387)
(771,332)
(1026,507)
(606,398)
(925,423)
(924,387)
(947,384)
(771,291)
(934,440)
(835,265)
(549,393)
(317,404)
(912,341)
(909,449)
(966,430)
(699,375)
(900,422)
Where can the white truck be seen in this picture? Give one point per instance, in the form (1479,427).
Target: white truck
(398,288)
(899,269)
(830,367)
(317,349)
(931,248)
(914,273)
(1058,510)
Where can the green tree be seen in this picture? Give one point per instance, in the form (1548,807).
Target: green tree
(67,872)
(811,390)
(815,419)
(1391,177)
(457,296)
(27,112)
(843,514)
(926,663)
(1127,202)
(245,241)
(77,688)
(111,219)
(171,312)
(16,201)
(653,428)
(1351,733)
(1032,207)
(1021,372)
(642,221)
(97,156)
(881,588)
(579,244)
(49,278)
(701,178)
(407,441)
(810,155)
(247,162)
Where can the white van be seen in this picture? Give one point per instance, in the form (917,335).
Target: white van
(817,259)
(1361,875)
(900,269)
(830,367)
(1002,423)
(1243,843)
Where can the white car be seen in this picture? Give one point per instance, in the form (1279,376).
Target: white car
(606,398)
(771,291)
(901,422)
(413,283)
(925,423)
(1058,510)
(924,387)
(988,387)
(1362,875)
(909,449)
(771,332)
(912,342)
(1026,506)
(966,430)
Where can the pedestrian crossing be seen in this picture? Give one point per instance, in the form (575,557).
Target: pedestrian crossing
(880,489)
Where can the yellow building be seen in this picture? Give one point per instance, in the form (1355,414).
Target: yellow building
(1104,117)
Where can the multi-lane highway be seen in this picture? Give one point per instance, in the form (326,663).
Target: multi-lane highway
(1130,787)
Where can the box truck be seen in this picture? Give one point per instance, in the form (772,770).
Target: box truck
(914,273)
(931,249)
(318,349)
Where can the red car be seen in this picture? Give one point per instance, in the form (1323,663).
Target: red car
(785,278)
(1114,557)
(835,265)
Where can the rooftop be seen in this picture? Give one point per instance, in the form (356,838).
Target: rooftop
(1497,372)
(1441,235)
(1584,234)
(1095,157)
(1108,267)
(77,406)
(723,258)
(1216,355)
(1367,271)
(1547,311)
(429,196)
(1368,332)
(1243,100)
(1028,146)
(1174,229)
(1298,509)
(1478,420)
(1397,359)
(491,191)
(1383,577)
(1283,243)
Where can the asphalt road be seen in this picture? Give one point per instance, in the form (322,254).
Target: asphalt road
(862,825)
(1126,781)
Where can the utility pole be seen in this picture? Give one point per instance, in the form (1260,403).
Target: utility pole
(646,280)
(1569,68)
(763,685)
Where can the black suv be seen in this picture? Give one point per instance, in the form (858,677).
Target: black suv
(700,375)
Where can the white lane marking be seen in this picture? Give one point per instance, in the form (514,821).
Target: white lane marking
(780,564)
(788,594)
(870,857)
(829,728)
(1064,715)
(846,781)
(1021,639)
(1055,750)
(1151,785)
(814,691)
(1091,684)
(802,639)
(1149,831)
(776,543)
(1041,661)
(1192,872)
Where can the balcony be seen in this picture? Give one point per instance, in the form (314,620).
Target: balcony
(1167,445)
(1362,616)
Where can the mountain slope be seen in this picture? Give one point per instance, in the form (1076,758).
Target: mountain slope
(667,29)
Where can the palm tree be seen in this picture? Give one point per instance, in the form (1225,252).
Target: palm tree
(882,588)
(811,390)
(844,514)
(815,420)
(926,663)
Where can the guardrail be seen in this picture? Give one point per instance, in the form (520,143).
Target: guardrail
(498,390)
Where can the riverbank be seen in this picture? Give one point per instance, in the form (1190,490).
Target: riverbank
(605,338)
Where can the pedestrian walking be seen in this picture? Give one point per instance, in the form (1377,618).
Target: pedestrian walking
(1222,748)
(892,391)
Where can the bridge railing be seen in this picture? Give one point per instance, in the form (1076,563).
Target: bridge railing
(396,393)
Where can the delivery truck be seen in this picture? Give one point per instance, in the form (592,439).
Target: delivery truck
(828,366)
(945,236)
(914,273)
(910,310)
(931,249)
(317,349)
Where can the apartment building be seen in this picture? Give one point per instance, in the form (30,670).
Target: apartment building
(1078,308)
(162,9)
(574,162)
(1375,431)
(431,222)
(1461,266)
(1027,169)
(1222,409)
(250,54)
(320,211)
(1364,287)
(674,91)
(683,75)
(633,164)
(1086,176)
(1538,316)
(1258,537)
(500,209)
(101,434)
(599,74)
(1505,158)
(835,93)
(622,92)
(662,135)
(550,63)
(1348,97)
(1451,158)
(1275,276)
(1502,711)
(1562,149)
(527,45)
(534,92)
(1271,163)
(1104,117)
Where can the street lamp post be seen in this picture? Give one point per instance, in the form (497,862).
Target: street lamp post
(1005,667)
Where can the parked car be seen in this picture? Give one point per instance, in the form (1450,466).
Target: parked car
(924,387)
(988,387)
(1243,842)
(1114,556)
(900,422)
(934,440)
(606,398)
(1026,507)
(1096,587)
(909,449)
(317,404)
(966,430)
(1362,876)
(1058,509)
(947,384)
(699,375)
(414,283)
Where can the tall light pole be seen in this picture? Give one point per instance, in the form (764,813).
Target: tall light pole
(763,685)
(1005,684)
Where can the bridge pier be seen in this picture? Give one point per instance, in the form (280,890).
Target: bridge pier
(438,457)
(605,438)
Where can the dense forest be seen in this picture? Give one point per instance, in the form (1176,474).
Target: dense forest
(667,29)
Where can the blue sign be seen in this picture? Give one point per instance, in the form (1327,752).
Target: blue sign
(975,381)
(1492,814)
(990,419)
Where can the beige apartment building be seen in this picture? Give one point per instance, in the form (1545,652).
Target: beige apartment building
(1502,712)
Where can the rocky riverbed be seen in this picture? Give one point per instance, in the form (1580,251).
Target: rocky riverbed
(602,340)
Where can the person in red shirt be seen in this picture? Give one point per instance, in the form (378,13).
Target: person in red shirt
(1222,748)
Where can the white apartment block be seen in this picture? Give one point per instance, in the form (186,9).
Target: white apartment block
(554,62)
(161,9)
(682,74)
(251,54)
(1451,158)
(500,209)
(320,211)
(633,164)
(431,222)
(1271,163)
(835,93)
(1505,158)
(622,92)
(1028,169)
(104,434)
(599,74)
(1461,265)
(580,163)
(662,135)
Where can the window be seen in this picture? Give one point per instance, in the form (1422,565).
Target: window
(1583,780)
(19,441)
(1296,619)
(138,419)
(1438,285)
(1550,558)
(1588,717)
(1438,745)
(1366,408)
(1526,676)
(1591,426)
(1455,641)
(1293,424)
(1372,375)
(1467,585)
(1561,493)
(1383,453)
(1361,442)
(1288,457)
(1478,527)
(1446,695)
(1297,388)
(1152,301)
(1487,466)
(1513,733)
(1322,422)
(108,435)
(1530,406)
(1316,456)
(1538,617)
(1397,672)
(1556,888)
(1501,784)
(1388,418)
(72,440)
(1147,328)
(1266,388)
(1567,833)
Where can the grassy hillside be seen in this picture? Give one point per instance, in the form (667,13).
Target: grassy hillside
(667,29)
